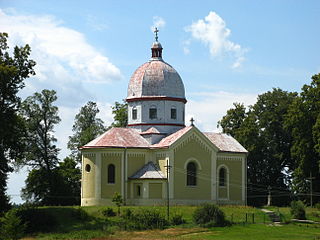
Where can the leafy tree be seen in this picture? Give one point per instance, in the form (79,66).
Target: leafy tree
(11,226)
(41,116)
(120,112)
(13,71)
(118,200)
(303,121)
(260,130)
(86,127)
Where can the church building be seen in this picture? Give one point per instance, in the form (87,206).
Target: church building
(157,154)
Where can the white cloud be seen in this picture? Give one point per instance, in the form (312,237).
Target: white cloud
(213,32)
(59,51)
(96,24)
(158,22)
(212,106)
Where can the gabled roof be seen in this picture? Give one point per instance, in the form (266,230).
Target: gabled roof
(225,143)
(119,137)
(148,171)
(167,141)
(151,130)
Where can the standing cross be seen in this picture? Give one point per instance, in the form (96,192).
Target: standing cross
(156,32)
(192,120)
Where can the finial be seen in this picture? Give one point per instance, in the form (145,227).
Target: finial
(192,120)
(156,30)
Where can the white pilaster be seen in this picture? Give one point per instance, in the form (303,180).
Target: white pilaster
(98,176)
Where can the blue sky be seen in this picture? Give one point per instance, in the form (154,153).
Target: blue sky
(225,51)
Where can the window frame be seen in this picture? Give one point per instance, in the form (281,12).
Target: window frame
(153,112)
(173,113)
(134,113)
(191,174)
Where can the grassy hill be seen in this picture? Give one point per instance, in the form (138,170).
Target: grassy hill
(90,223)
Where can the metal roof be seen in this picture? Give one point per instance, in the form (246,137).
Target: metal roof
(148,171)
(119,137)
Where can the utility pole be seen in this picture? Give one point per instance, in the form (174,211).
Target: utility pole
(311,193)
(269,196)
(168,199)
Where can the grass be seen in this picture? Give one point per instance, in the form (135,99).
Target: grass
(311,213)
(72,225)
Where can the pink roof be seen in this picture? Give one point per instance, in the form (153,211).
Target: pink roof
(119,137)
(151,130)
(224,142)
(167,141)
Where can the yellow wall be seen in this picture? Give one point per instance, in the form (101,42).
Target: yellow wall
(192,149)
(135,162)
(155,190)
(107,189)
(88,178)
(235,179)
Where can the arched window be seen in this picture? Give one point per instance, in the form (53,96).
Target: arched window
(222,177)
(191,174)
(134,113)
(153,112)
(111,173)
(173,113)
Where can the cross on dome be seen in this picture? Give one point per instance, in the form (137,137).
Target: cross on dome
(192,120)
(156,30)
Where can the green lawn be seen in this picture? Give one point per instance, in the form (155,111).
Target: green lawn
(71,225)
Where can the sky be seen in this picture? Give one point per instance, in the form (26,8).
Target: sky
(225,52)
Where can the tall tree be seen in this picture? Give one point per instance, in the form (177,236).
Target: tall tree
(86,127)
(13,71)
(120,114)
(303,121)
(260,130)
(41,116)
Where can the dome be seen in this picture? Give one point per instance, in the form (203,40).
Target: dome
(156,78)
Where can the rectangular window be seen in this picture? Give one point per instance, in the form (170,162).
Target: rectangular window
(134,114)
(173,113)
(152,113)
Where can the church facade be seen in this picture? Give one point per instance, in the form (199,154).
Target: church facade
(157,155)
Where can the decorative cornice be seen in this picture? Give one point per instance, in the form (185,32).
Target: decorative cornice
(157,124)
(156,98)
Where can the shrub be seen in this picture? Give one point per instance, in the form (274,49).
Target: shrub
(127,213)
(144,219)
(108,212)
(177,219)
(317,206)
(118,200)
(209,215)
(36,219)
(80,214)
(298,210)
(11,226)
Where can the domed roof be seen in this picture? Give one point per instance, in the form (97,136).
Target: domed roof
(156,78)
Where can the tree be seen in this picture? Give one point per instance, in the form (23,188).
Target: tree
(260,130)
(13,71)
(41,116)
(86,127)
(118,200)
(120,112)
(303,122)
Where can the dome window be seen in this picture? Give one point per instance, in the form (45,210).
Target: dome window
(153,113)
(173,113)
(134,113)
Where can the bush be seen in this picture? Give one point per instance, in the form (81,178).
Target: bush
(177,219)
(36,219)
(11,226)
(317,206)
(127,213)
(80,214)
(108,212)
(209,215)
(144,219)
(298,210)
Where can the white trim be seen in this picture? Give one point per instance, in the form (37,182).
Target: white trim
(98,176)
(228,181)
